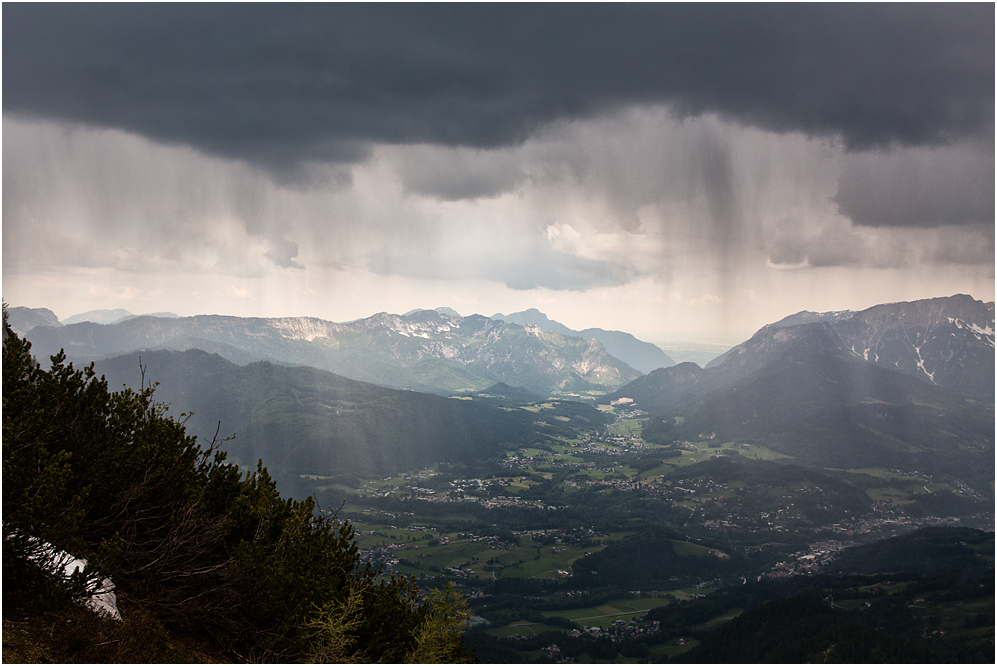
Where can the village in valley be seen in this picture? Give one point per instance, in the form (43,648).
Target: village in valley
(527,522)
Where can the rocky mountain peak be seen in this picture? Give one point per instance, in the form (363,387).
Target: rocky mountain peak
(947,341)
(22,320)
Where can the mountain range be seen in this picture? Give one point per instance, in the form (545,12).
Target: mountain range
(840,390)
(904,384)
(426,350)
(640,355)
(23,319)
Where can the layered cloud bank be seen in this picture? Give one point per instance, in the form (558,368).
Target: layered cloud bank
(753,164)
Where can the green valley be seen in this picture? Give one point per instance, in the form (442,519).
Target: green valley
(575,540)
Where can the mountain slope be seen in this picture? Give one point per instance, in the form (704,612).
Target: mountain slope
(814,401)
(947,341)
(640,355)
(302,420)
(427,350)
(801,390)
(664,388)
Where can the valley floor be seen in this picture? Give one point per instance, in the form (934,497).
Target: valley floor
(517,535)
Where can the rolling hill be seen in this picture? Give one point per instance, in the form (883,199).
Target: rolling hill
(801,631)
(929,550)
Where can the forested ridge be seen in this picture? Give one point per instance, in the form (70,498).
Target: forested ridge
(207,563)
(305,420)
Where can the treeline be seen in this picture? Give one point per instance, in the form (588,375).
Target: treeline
(196,550)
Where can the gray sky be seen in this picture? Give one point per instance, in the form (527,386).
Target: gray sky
(676,171)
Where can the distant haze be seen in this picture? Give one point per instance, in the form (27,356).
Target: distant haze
(699,353)
(678,172)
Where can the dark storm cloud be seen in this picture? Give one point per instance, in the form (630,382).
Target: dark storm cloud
(282,86)
(919,188)
(453,175)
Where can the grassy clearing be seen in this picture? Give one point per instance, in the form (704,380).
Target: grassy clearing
(890,588)
(714,622)
(528,560)
(380,537)
(691,592)
(656,472)
(951,617)
(524,562)
(406,570)
(689,549)
(704,452)
(672,648)
(882,473)
(523,628)
(758,452)
(629,426)
(688,458)
(618,536)
(604,615)
(887,494)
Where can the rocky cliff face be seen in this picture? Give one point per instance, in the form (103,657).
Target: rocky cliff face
(946,341)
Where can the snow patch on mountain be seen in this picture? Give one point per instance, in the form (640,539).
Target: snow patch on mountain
(63,565)
(920,364)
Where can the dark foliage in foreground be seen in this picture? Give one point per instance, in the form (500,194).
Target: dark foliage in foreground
(193,546)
